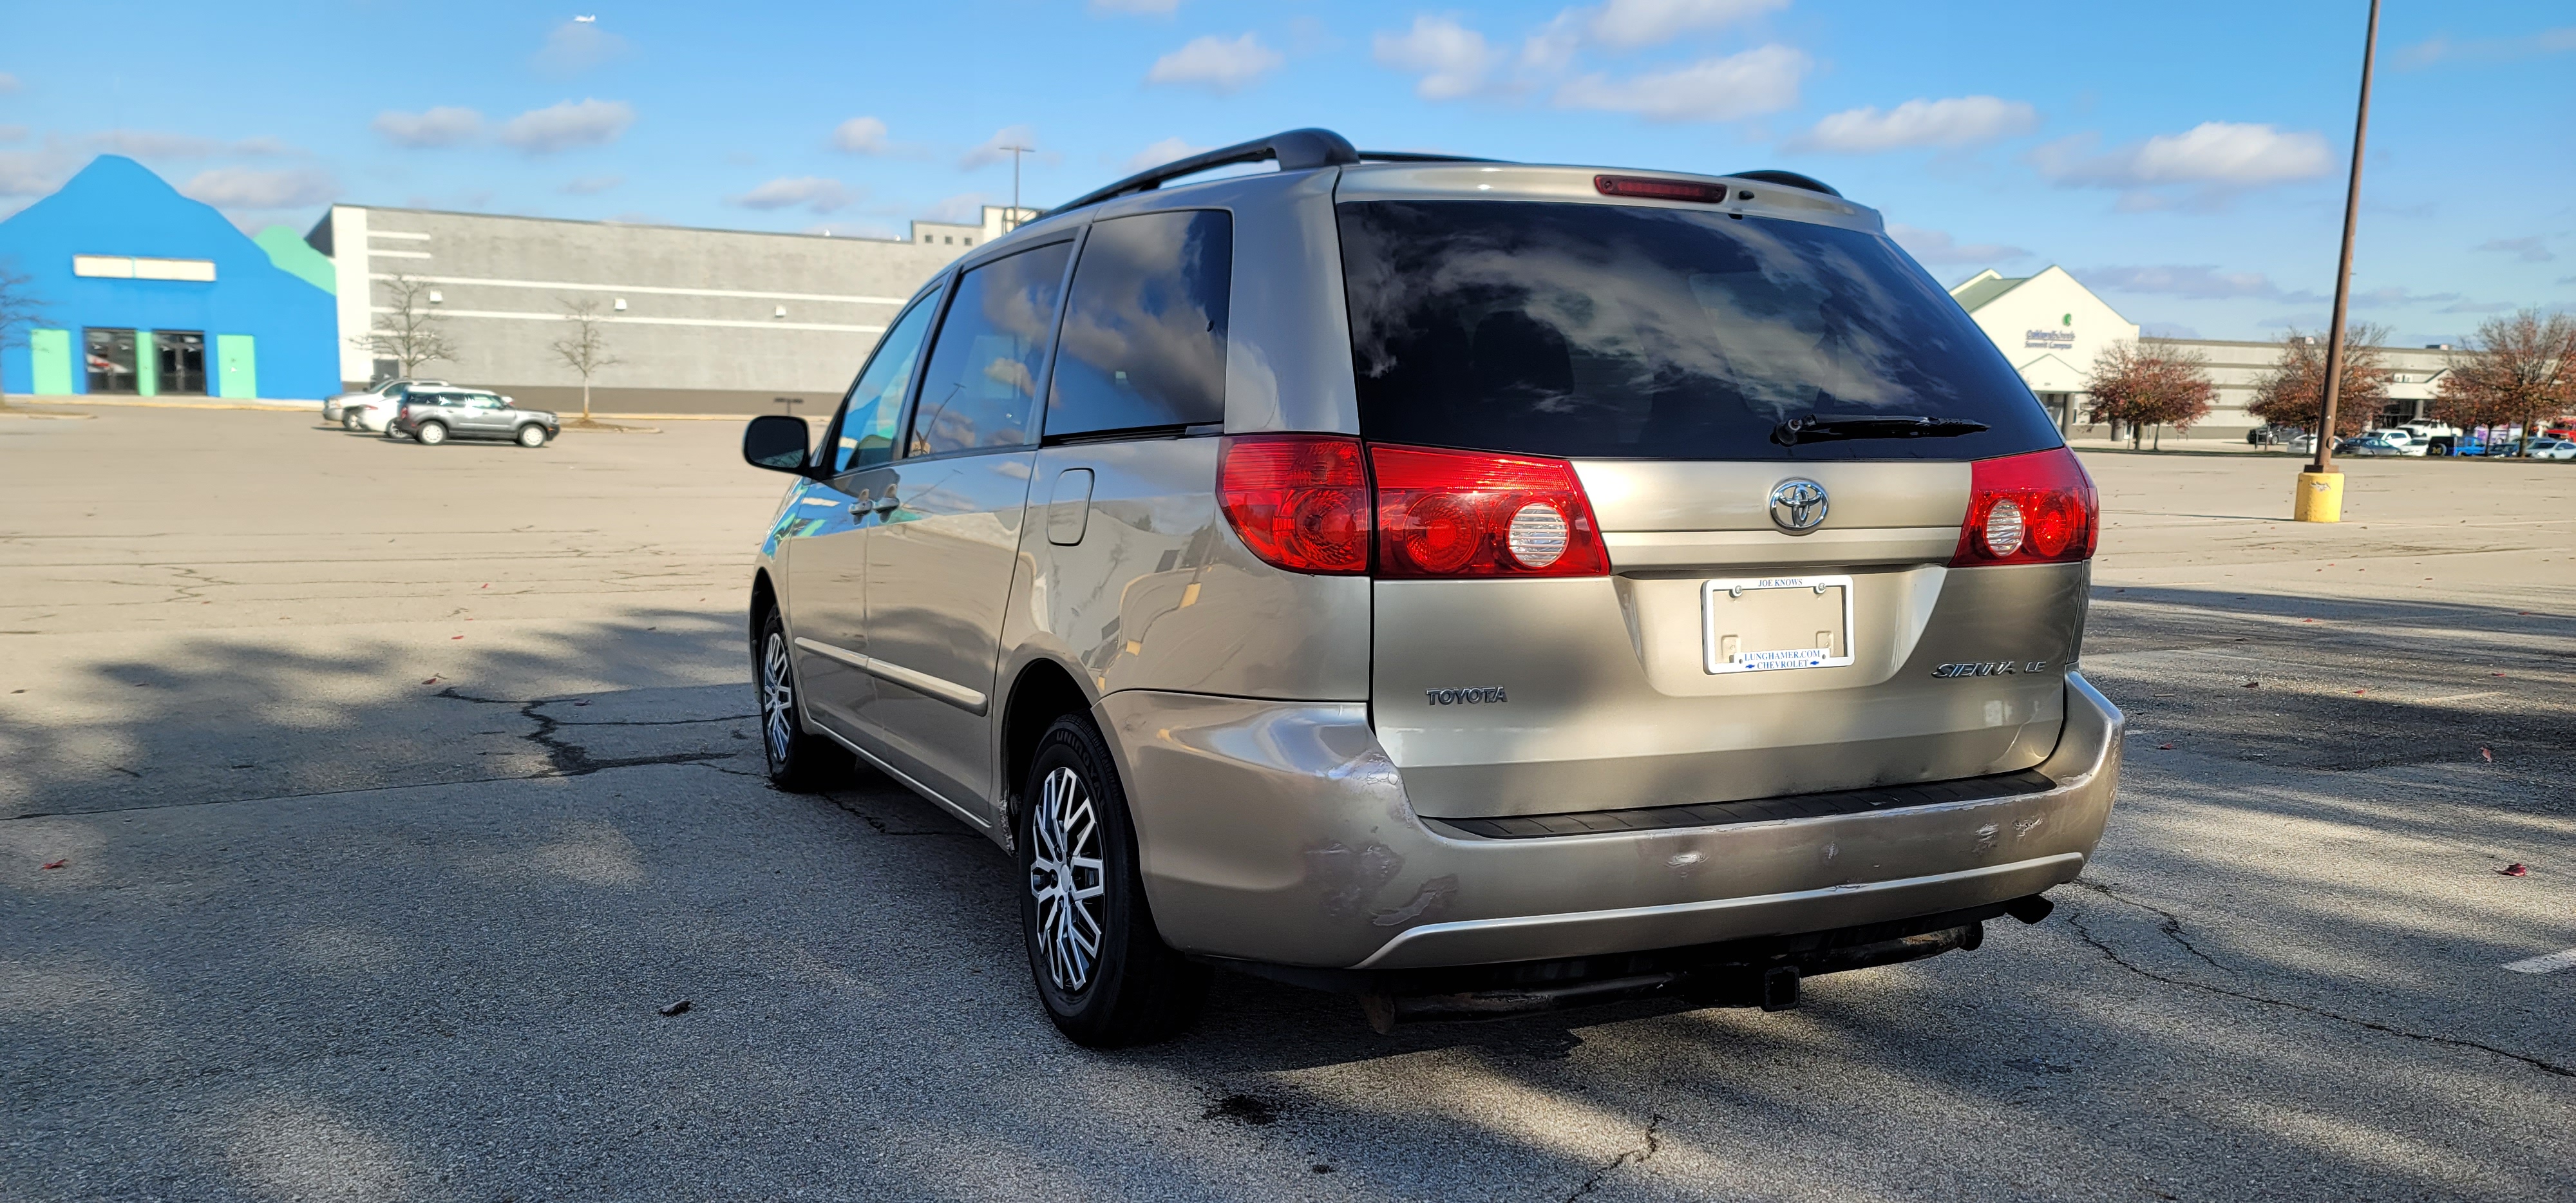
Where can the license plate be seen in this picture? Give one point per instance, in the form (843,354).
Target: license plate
(1776,623)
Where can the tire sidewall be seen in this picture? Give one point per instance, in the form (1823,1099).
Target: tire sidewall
(1073,743)
(528,429)
(427,438)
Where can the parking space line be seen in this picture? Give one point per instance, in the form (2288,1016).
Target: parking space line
(2551,963)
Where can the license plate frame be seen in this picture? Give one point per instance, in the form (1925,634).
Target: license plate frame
(1720,661)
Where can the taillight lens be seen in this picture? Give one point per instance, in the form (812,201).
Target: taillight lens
(2038,508)
(1467,513)
(1300,502)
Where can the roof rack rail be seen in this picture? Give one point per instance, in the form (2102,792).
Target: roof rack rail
(1788,179)
(1295,150)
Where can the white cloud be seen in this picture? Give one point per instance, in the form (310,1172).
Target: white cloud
(1627,24)
(12,133)
(1761,80)
(592,185)
(441,126)
(2528,250)
(244,188)
(861,136)
(1163,152)
(33,172)
(2397,296)
(1955,122)
(1214,63)
(2214,155)
(1937,246)
(2444,50)
(1135,8)
(990,150)
(153,144)
(2198,281)
(813,192)
(8,83)
(1450,59)
(568,125)
(577,46)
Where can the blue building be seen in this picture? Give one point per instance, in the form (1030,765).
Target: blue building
(144,292)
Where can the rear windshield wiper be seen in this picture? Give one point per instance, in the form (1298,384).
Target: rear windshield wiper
(1819,428)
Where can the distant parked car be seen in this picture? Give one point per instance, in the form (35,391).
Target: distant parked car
(2375,444)
(2267,436)
(2408,442)
(2552,449)
(393,389)
(433,416)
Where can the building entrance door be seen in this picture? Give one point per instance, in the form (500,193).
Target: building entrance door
(237,362)
(110,356)
(181,361)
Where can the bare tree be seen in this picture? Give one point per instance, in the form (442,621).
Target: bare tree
(2521,371)
(2292,390)
(584,348)
(409,332)
(2150,387)
(19,310)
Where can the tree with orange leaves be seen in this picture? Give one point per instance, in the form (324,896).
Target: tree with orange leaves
(2144,387)
(2292,390)
(2520,371)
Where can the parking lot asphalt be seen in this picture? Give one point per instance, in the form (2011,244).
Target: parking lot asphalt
(394,792)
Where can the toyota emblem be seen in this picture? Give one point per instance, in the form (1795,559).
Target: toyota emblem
(1798,506)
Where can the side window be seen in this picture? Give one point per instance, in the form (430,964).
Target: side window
(980,389)
(1144,325)
(875,403)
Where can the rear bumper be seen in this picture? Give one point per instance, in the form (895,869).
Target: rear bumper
(1279,832)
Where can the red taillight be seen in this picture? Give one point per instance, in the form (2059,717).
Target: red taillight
(1655,189)
(1305,503)
(1301,502)
(1469,513)
(2029,509)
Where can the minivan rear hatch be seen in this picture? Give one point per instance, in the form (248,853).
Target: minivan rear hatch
(1776,417)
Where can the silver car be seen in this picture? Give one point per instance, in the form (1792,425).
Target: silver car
(1468,585)
(430,416)
(335,409)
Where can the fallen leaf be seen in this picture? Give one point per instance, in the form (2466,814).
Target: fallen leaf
(2164,747)
(56,864)
(488,586)
(2253,685)
(2515,869)
(2361,691)
(2307,620)
(677,1008)
(431,681)
(456,637)
(2495,674)
(2487,756)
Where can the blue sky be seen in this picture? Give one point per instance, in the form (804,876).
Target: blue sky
(2185,159)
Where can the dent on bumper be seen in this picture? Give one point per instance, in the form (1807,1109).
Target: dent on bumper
(1279,832)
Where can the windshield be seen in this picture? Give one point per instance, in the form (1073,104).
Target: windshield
(1611,330)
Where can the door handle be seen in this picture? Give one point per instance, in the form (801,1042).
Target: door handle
(887,504)
(863,507)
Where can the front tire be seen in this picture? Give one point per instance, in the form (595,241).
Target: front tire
(1102,970)
(349,420)
(430,434)
(800,762)
(532,435)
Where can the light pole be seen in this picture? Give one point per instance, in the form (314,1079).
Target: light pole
(1017,151)
(2320,490)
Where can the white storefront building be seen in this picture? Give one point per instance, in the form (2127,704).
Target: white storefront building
(2052,327)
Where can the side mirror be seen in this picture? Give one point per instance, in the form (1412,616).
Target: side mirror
(777,442)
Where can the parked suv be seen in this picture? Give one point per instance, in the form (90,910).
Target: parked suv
(1469,585)
(433,416)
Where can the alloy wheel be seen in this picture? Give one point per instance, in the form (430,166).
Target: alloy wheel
(777,699)
(1066,878)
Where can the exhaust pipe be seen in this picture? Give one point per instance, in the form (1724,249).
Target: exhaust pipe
(2029,909)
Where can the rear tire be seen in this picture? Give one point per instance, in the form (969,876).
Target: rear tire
(430,434)
(1103,971)
(800,761)
(532,435)
(349,420)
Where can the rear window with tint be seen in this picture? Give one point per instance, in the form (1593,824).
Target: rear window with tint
(1621,331)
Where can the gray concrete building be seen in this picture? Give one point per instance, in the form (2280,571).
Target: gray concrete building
(700,321)
(2234,367)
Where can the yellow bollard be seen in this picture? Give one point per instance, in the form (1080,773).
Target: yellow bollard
(2320,497)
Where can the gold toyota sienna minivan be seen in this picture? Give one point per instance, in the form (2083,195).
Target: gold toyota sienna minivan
(1473,586)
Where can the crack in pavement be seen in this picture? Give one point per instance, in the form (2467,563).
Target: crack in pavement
(2075,920)
(877,823)
(2171,927)
(1636,1156)
(571,759)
